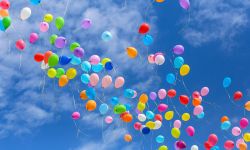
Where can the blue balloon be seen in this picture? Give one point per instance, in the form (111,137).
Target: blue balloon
(171,78)
(86,66)
(97,68)
(35,2)
(150,115)
(178,62)
(103,109)
(128,107)
(90,92)
(106,36)
(147,40)
(1,25)
(85,78)
(201,115)
(75,60)
(215,148)
(225,125)
(145,130)
(128,93)
(114,101)
(108,66)
(64,60)
(227,82)
(159,139)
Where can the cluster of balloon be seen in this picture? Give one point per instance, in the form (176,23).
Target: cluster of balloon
(5,20)
(157,58)
(211,142)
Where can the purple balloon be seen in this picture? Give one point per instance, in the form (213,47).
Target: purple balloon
(60,42)
(185,4)
(79,52)
(153,96)
(86,23)
(178,49)
(179,145)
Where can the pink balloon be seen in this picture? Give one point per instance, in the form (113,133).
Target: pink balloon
(75,115)
(228,145)
(86,23)
(137,126)
(204,91)
(94,79)
(151,59)
(119,82)
(106,81)
(44,26)
(33,37)
(213,139)
(239,141)
(135,94)
(20,45)
(162,93)
(190,130)
(108,119)
(185,4)
(243,123)
(177,124)
(162,107)
(198,110)
(236,131)
(196,94)
(94,59)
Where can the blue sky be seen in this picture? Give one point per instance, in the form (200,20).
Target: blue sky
(215,36)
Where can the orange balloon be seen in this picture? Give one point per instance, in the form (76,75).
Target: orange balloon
(4,13)
(247,105)
(127,118)
(128,138)
(63,81)
(83,95)
(47,55)
(143,98)
(196,102)
(159,1)
(91,105)
(242,146)
(224,118)
(132,52)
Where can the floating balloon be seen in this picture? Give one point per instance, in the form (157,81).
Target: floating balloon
(190,131)
(159,60)
(160,139)
(175,133)
(213,139)
(159,1)
(225,125)
(53,60)
(20,45)
(94,60)
(171,93)
(236,131)
(86,66)
(106,81)
(83,95)
(75,115)
(114,101)
(185,116)
(91,105)
(64,60)
(59,23)
(63,80)
(33,38)
(71,73)
(198,110)
(5,4)
(163,147)
(143,98)
(227,82)
(243,123)
(44,26)
(247,105)
(60,42)
(229,145)
(162,107)
(103,108)
(97,68)
(177,124)
(25,13)
(48,18)
(128,138)
(131,52)
(79,52)
(204,91)
(75,60)
(246,137)
(194,147)
(86,23)
(145,130)
(119,109)
(169,115)
(184,70)
(150,115)
(85,78)
(60,72)
(47,55)
(35,2)
(5,23)
(39,57)
(185,4)
(151,59)
(51,73)
(73,46)
(108,119)
(4,13)
(158,117)
(106,36)
(162,93)
(147,40)
(153,96)
(119,82)
(238,95)
(178,49)
(184,99)
(144,28)
(178,62)
(142,117)
(52,39)
(171,78)
(224,118)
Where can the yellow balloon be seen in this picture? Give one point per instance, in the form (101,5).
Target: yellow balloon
(141,106)
(247,105)
(71,73)
(169,115)
(143,98)
(150,125)
(105,60)
(247,137)
(185,116)
(185,69)
(132,52)
(159,1)
(163,147)
(48,18)
(51,73)
(175,133)
(63,80)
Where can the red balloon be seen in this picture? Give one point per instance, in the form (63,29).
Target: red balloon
(20,44)
(47,55)
(158,117)
(229,145)
(213,139)
(196,94)
(5,4)
(171,93)
(137,126)
(144,28)
(207,145)
(123,114)
(238,95)
(184,99)
(39,57)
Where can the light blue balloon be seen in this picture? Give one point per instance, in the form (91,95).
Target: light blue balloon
(150,115)
(75,60)
(128,107)
(171,78)
(114,101)
(178,62)
(85,78)
(90,92)
(147,40)
(227,82)
(1,25)
(106,36)
(225,125)
(97,68)
(86,66)
(201,115)
(215,148)
(35,2)
(103,108)
(160,139)
(128,93)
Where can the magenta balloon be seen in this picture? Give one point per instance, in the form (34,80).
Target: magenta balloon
(179,145)
(178,49)
(162,107)
(185,4)
(213,139)
(33,37)
(228,145)
(236,131)
(162,93)
(79,52)
(198,110)
(243,123)
(86,23)
(60,42)
(44,26)
(75,115)
(190,130)
(177,124)
(204,91)
(153,96)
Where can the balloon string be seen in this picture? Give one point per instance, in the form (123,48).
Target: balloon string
(20,61)
(66,9)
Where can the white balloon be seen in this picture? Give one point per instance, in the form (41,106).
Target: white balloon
(44,66)
(159,59)
(157,124)
(142,117)
(25,13)
(194,147)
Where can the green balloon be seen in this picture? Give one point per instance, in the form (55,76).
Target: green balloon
(59,23)
(119,109)
(52,39)
(74,45)
(53,60)
(6,22)
(59,72)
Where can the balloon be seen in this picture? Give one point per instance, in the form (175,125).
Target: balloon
(25,13)
(86,23)
(150,115)
(185,117)
(94,60)
(75,60)
(194,147)
(158,117)
(127,118)
(59,23)
(184,70)
(128,138)
(4,13)
(47,55)
(159,60)
(195,94)
(48,18)
(184,99)
(75,115)
(147,40)
(228,145)
(215,148)
(150,125)
(132,52)
(201,115)
(179,145)
(86,66)
(144,28)
(128,93)
(108,119)
(207,145)
(44,66)
(163,147)
(60,42)
(175,132)
(236,131)
(119,109)
(204,91)
(198,110)
(224,118)
(51,73)
(196,102)
(97,68)
(52,39)
(169,115)
(119,82)
(158,124)
(114,101)
(83,95)
(64,60)
(178,62)
(178,49)
(160,139)
(243,146)
(247,105)
(6,23)
(79,52)
(151,59)
(39,57)
(103,108)
(71,73)
(171,78)
(44,26)
(225,125)
(73,46)
(162,107)
(239,141)
(159,1)
(63,80)
(105,60)
(243,123)
(153,96)
(108,66)
(246,137)
(20,45)
(145,130)
(35,2)
(213,139)
(106,81)
(137,126)
(53,60)
(91,93)
(143,98)
(33,38)
(106,36)
(142,117)
(94,79)
(91,105)
(238,95)
(60,72)
(5,4)
(177,124)
(185,4)
(227,82)
(190,131)
(171,93)
(85,78)
(162,93)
